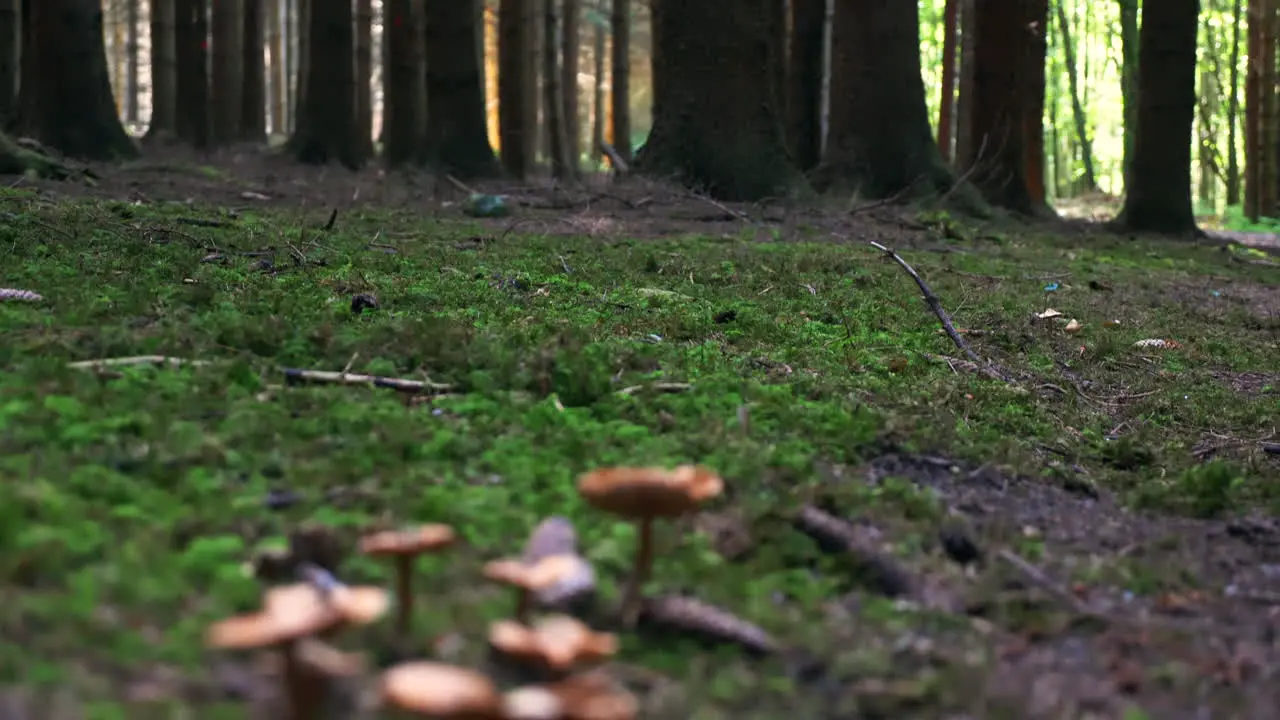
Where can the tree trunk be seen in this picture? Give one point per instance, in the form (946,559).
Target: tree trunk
(401,91)
(164,71)
(253,108)
(10,45)
(191,27)
(712,128)
(363,77)
(1129,79)
(131,61)
(1233,107)
(1034,49)
(226,89)
(947,103)
(457,141)
(599,109)
(1090,183)
(963,155)
(278,86)
(517,106)
(620,69)
(302,57)
(571,55)
(804,82)
(70,107)
(1159,198)
(1003,103)
(553,98)
(326,120)
(875,63)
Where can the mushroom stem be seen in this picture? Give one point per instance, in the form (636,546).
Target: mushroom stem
(523,597)
(300,685)
(630,610)
(404,593)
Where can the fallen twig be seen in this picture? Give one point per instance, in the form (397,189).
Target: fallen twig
(136,360)
(615,159)
(1044,582)
(344,378)
(665,387)
(884,574)
(936,306)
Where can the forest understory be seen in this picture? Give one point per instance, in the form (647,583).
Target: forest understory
(1077,520)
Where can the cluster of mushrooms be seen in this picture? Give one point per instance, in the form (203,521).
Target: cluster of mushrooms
(554,652)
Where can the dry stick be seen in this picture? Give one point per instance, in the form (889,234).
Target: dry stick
(936,306)
(619,164)
(138,360)
(665,387)
(1044,582)
(343,378)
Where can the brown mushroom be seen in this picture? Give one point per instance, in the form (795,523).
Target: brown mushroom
(403,546)
(643,494)
(557,642)
(290,614)
(437,690)
(553,579)
(586,696)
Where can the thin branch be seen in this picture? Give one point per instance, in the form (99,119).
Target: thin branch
(136,360)
(936,306)
(343,378)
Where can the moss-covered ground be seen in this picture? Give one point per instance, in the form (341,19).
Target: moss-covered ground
(1134,483)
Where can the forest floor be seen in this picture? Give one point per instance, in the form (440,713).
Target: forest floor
(1093,533)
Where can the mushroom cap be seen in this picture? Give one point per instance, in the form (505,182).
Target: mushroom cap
(557,641)
(532,703)
(542,575)
(412,541)
(595,696)
(355,604)
(647,492)
(441,691)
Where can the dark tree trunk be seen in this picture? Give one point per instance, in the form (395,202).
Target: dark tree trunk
(326,120)
(1233,107)
(804,82)
(875,63)
(362,79)
(457,141)
(1159,197)
(10,43)
(164,71)
(70,107)
(401,91)
(1004,102)
(1034,48)
(947,103)
(571,55)
(620,20)
(711,126)
(191,26)
(1129,78)
(517,106)
(253,112)
(552,92)
(226,92)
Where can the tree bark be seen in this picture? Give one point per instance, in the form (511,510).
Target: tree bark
(1090,183)
(70,107)
(457,141)
(131,61)
(326,128)
(571,55)
(875,63)
(804,82)
(226,89)
(278,87)
(253,108)
(164,71)
(192,95)
(620,71)
(1159,198)
(401,91)
(599,109)
(10,45)
(361,81)
(517,106)
(711,127)
(1003,106)
(1233,107)
(553,97)
(1129,78)
(947,103)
